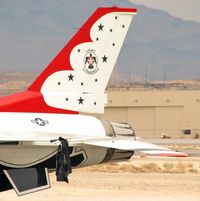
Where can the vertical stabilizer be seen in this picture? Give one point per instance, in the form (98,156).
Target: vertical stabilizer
(76,79)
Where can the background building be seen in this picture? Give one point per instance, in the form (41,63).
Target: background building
(155,113)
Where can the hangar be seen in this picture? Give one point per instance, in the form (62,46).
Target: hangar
(156,113)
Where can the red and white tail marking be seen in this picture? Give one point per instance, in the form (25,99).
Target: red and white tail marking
(76,79)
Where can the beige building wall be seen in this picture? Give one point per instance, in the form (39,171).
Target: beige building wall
(153,114)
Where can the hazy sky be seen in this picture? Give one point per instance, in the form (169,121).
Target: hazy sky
(186,9)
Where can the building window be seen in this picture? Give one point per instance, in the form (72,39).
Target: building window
(187,132)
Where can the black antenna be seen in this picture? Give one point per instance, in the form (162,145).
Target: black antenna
(114,6)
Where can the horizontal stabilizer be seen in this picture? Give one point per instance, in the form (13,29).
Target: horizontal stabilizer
(132,145)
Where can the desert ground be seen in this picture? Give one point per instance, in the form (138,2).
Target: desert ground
(141,179)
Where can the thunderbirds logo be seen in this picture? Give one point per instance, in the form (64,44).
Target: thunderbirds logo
(90,62)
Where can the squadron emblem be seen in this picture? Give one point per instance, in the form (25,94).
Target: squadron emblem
(90,62)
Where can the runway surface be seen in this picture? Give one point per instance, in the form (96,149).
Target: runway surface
(119,183)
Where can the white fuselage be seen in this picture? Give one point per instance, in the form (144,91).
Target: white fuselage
(33,133)
(39,126)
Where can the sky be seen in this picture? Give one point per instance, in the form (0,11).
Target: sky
(32,32)
(186,9)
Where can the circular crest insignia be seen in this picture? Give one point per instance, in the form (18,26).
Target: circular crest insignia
(90,62)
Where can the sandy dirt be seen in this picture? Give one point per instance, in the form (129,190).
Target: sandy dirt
(90,184)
